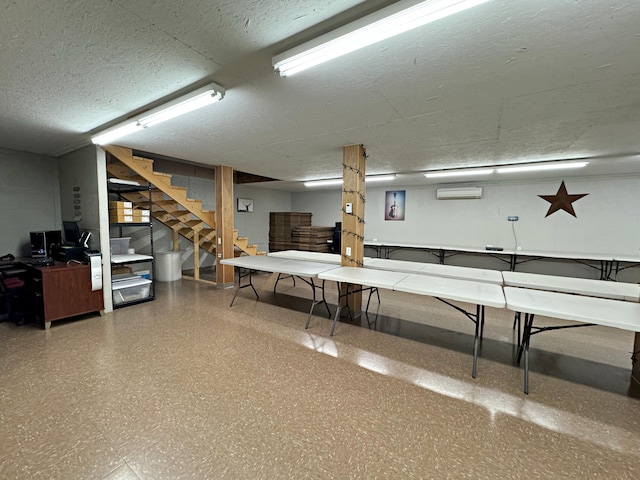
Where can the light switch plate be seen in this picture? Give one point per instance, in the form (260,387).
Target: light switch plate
(348,208)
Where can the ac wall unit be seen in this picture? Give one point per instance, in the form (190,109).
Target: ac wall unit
(453,193)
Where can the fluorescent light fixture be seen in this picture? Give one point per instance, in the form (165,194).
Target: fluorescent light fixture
(338,181)
(199,98)
(323,183)
(385,23)
(536,167)
(379,178)
(121,131)
(460,173)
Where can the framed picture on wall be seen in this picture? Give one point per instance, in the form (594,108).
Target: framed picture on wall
(394,205)
(245,205)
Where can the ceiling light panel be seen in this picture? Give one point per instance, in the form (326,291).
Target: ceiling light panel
(386,23)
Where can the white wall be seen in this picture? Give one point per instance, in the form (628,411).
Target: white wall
(607,220)
(79,198)
(30,198)
(325,206)
(255,225)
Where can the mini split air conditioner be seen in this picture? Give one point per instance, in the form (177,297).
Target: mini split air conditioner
(454,193)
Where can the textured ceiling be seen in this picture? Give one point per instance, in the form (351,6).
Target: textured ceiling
(504,82)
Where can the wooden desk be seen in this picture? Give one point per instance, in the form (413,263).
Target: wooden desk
(66,291)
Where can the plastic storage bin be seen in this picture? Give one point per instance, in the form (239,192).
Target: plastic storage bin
(119,246)
(130,290)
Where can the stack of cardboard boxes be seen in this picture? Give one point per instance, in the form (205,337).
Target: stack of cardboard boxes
(293,231)
(312,239)
(280,226)
(124,212)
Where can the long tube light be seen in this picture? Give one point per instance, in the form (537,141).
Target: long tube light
(541,166)
(338,181)
(385,23)
(199,98)
(460,173)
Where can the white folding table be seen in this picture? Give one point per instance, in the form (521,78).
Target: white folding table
(444,289)
(577,308)
(321,257)
(447,271)
(605,260)
(452,289)
(363,277)
(629,292)
(295,268)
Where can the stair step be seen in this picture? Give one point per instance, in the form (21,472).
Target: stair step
(172,224)
(195,224)
(168,203)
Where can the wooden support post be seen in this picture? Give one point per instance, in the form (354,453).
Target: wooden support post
(224,224)
(353,193)
(175,241)
(196,255)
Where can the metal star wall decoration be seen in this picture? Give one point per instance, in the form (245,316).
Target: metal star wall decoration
(562,200)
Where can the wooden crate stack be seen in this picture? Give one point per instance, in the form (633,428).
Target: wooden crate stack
(312,239)
(280,226)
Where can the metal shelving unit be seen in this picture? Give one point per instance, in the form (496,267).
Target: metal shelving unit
(118,191)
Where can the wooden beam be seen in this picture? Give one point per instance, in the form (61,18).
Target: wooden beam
(224,224)
(175,239)
(353,193)
(196,255)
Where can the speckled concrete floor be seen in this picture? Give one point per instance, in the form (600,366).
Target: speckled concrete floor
(186,387)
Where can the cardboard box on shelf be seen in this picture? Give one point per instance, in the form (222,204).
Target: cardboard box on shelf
(120,269)
(121,211)
(125,215)
(115,217)
(120,204)
(139,217)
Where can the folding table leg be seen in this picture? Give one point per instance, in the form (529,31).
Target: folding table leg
(528,323)
(335,321)
(476,340)
(250,284)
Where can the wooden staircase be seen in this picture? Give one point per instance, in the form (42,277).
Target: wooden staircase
(170,204)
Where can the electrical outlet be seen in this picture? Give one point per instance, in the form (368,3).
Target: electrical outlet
(348,208)
(347,251)
(512,218)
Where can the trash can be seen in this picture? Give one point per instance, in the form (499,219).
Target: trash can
(168,266)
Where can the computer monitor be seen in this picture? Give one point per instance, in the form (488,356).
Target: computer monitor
(71,233)
(43,241)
